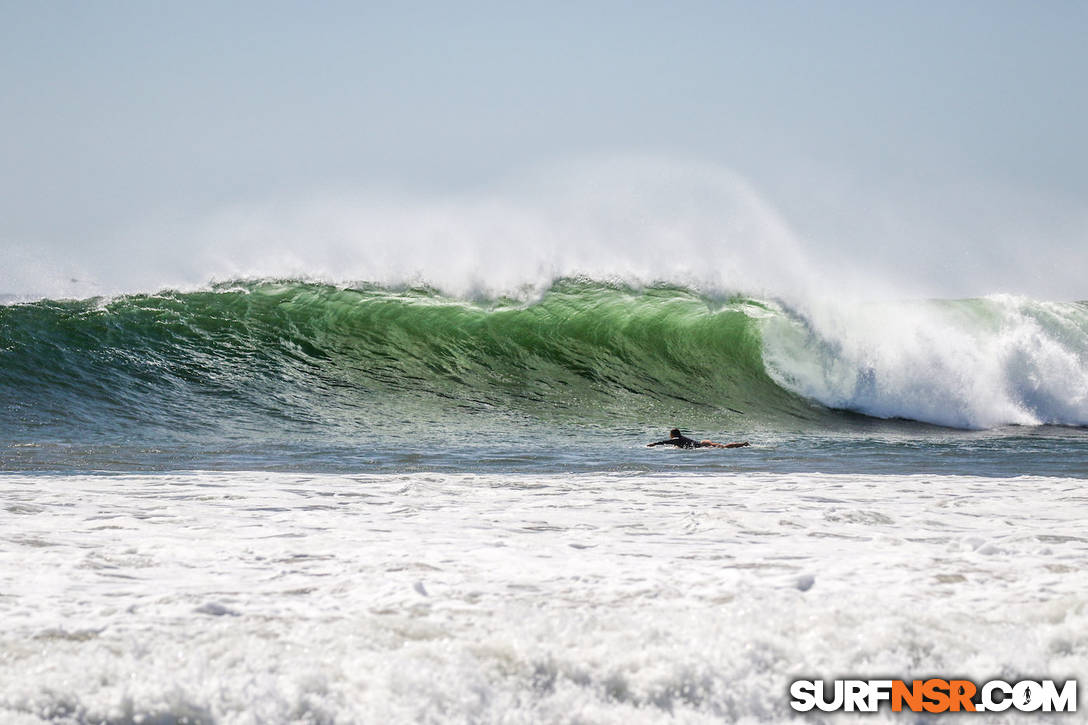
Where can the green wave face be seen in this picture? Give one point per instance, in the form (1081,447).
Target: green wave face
(296,361)
(301,357)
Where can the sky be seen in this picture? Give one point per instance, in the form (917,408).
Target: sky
(940,144)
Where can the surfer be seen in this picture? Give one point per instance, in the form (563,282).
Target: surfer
(681,441)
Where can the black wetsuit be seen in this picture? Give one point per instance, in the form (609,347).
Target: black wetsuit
(681,442)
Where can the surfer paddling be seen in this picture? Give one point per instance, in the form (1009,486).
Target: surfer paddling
(676,438)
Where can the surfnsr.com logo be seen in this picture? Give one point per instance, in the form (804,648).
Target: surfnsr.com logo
(934,695)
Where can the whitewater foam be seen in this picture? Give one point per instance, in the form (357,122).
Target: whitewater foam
(967,364)
(248,597)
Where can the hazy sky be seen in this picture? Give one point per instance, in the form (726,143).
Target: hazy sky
(917,128)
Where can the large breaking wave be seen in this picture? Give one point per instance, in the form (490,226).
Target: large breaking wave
(300,355)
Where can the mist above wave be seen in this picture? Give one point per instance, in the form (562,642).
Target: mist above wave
(629,218)
(632,219)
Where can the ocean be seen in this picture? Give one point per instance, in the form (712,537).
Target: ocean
(283,500)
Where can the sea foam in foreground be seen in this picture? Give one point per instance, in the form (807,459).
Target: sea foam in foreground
(598,598)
